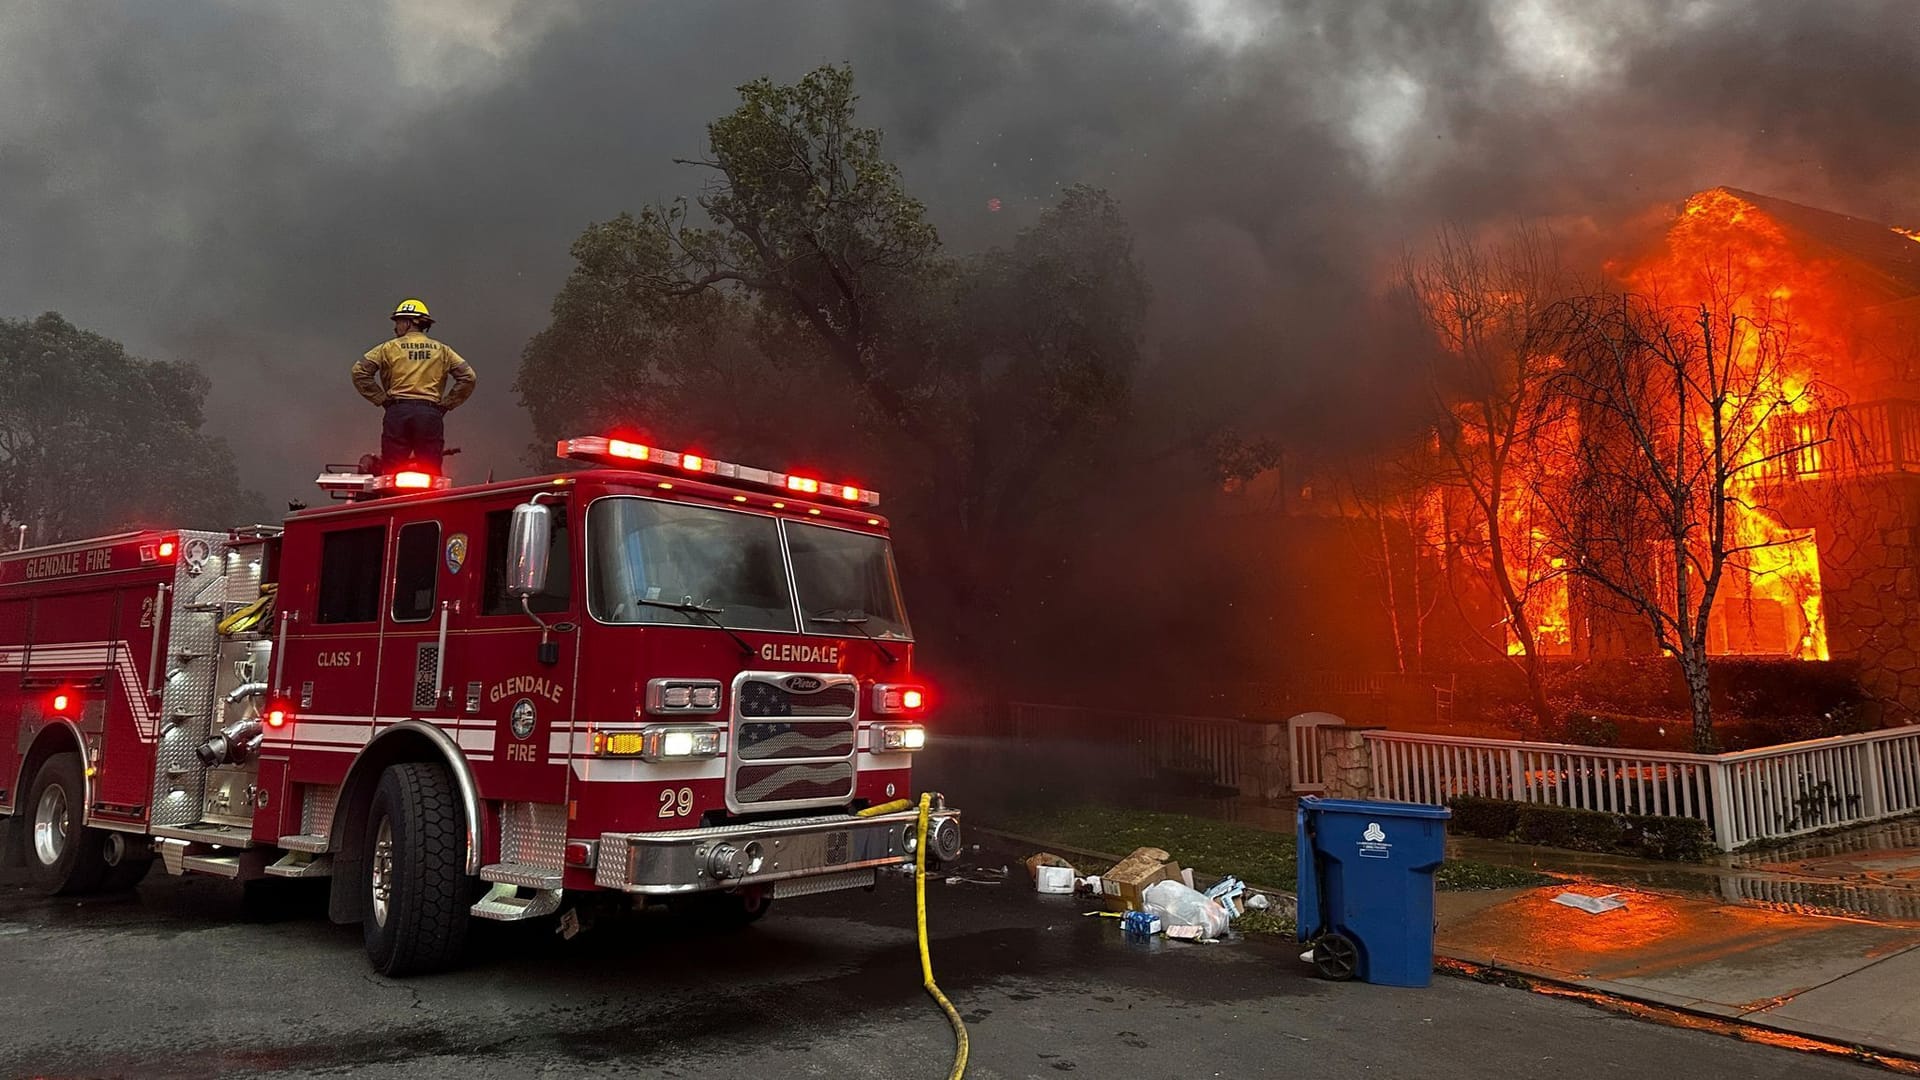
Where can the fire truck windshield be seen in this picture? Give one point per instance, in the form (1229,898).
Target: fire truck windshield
(846,576)
(658,562)
(669,563)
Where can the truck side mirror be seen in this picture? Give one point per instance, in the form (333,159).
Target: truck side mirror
(529,537)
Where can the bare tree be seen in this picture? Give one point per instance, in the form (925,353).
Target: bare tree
(1403,540)
(1494,311)
(1688,416)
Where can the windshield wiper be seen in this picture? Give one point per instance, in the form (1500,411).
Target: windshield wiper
(688,607)
(856,619)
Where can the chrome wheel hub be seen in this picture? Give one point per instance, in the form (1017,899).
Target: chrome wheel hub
(382,871)
(50,825)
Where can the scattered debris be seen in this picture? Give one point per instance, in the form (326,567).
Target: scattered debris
(1228,892)
(1140,924)
(1044,858)
(1189,933)
(1592,905)
(1121,887)
(1182,906)
(1054,879)
(569,924)
(1258,902)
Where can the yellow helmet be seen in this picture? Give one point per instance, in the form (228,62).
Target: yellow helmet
(412,308)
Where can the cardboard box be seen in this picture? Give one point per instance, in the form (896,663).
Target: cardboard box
(1120,887)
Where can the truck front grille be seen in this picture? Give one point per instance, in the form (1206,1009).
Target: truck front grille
(794,739)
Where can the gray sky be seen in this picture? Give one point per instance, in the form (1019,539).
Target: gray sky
(251,185)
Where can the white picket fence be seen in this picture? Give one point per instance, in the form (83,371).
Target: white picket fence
(1766,794)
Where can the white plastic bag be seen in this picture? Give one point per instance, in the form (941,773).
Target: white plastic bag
(1178,905)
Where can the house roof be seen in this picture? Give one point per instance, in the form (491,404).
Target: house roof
(1884,260)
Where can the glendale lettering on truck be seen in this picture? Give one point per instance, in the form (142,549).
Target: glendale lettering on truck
(479,700)
(800,654)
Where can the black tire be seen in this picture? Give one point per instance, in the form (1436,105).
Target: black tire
(63,857)
(416,846)
(1336,957)
(725,911)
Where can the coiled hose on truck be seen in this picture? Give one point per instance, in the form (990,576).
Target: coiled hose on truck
(920,914)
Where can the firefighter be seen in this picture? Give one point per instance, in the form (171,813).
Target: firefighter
(408,378)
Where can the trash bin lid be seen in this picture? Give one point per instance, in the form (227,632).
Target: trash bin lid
(1376,809)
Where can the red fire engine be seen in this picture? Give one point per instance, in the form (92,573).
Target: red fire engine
(665,676)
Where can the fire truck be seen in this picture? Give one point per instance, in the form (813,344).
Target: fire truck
(660,675)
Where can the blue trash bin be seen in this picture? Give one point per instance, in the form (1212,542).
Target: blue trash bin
(1366,887)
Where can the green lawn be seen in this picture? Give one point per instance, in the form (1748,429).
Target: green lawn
(1215,849)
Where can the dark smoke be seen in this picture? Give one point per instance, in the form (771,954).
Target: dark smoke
(248,186)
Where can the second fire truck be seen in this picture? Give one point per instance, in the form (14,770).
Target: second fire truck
(665,676)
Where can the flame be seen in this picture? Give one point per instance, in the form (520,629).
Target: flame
(1770,601)
(1911,234)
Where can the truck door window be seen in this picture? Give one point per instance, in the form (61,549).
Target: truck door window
(558,595)
(350,565)
(416,571)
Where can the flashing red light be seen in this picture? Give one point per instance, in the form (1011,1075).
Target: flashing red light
(60,702)
(801,483)
(691,462)
(912,699)
(413,480)
(277,717)
(850,493)
(623,449)
(166,549)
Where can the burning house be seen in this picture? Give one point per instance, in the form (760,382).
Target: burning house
(1819,330)
(1843,473)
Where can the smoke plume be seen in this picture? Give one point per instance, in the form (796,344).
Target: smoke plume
(251,186)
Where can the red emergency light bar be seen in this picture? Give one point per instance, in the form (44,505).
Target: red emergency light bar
(623,454)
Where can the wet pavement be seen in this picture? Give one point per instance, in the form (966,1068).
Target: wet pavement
(175,980)
(1847,980)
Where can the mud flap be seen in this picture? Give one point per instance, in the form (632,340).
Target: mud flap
(347,900)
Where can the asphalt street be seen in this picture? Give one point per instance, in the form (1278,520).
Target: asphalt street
(180,979)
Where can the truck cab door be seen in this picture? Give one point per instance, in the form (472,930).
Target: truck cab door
(527,693)
(415,676)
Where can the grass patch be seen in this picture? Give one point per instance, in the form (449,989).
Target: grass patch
(1475,877)
(1264,922)
(1214,849)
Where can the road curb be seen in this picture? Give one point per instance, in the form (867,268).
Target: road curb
(1678,1015)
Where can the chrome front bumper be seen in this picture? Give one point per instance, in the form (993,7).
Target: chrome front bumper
(730,856)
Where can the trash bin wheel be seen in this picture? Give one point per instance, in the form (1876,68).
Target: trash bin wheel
(1336,957)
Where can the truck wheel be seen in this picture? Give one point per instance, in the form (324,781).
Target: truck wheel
(62,855)
(418,894)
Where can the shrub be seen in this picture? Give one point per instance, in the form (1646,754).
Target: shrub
(1492,819)
(1645,836)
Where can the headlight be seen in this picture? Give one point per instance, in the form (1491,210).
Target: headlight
(896,738)
(678,696)
(659,743)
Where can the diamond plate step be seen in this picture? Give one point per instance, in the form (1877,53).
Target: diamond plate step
(299,864)
(824,883)
(531,877)
(315,843)
(503,903)
(227,866)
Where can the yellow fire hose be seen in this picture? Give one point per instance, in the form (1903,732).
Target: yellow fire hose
(920,914)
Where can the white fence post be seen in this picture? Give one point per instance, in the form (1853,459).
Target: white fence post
(1722,808)
(1517,775)
(1873,797)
